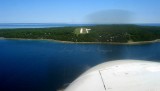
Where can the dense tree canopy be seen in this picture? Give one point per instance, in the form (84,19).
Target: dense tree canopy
(98,33)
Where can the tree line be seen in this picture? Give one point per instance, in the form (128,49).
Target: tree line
(98,33)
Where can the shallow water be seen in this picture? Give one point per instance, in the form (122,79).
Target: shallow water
(34,65)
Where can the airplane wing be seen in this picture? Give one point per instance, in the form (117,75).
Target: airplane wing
(120,75)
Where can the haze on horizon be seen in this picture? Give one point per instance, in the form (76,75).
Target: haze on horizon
(80,11)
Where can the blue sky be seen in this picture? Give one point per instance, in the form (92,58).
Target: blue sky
(75,11)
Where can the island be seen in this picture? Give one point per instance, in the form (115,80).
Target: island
(116,33)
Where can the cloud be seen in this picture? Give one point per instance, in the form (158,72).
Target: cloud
(115,16)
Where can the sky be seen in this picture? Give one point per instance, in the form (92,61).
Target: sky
(79,11)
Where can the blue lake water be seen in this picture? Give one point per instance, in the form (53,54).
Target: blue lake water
(32,65)
(37,25)
(50,25)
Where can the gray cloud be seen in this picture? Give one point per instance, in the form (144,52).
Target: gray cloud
(115,16)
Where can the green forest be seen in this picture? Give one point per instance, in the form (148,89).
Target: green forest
(98,33)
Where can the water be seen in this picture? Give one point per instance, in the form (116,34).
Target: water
(150,24)
(37,25)
(27,65)
(50,25)
(31,65)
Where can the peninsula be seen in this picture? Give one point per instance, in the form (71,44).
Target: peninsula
(88,34)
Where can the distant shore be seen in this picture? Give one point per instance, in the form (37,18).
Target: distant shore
(71,42)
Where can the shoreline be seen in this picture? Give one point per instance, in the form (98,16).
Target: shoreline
(70,42)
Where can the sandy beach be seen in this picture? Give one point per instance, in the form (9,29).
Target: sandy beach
(116,43)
